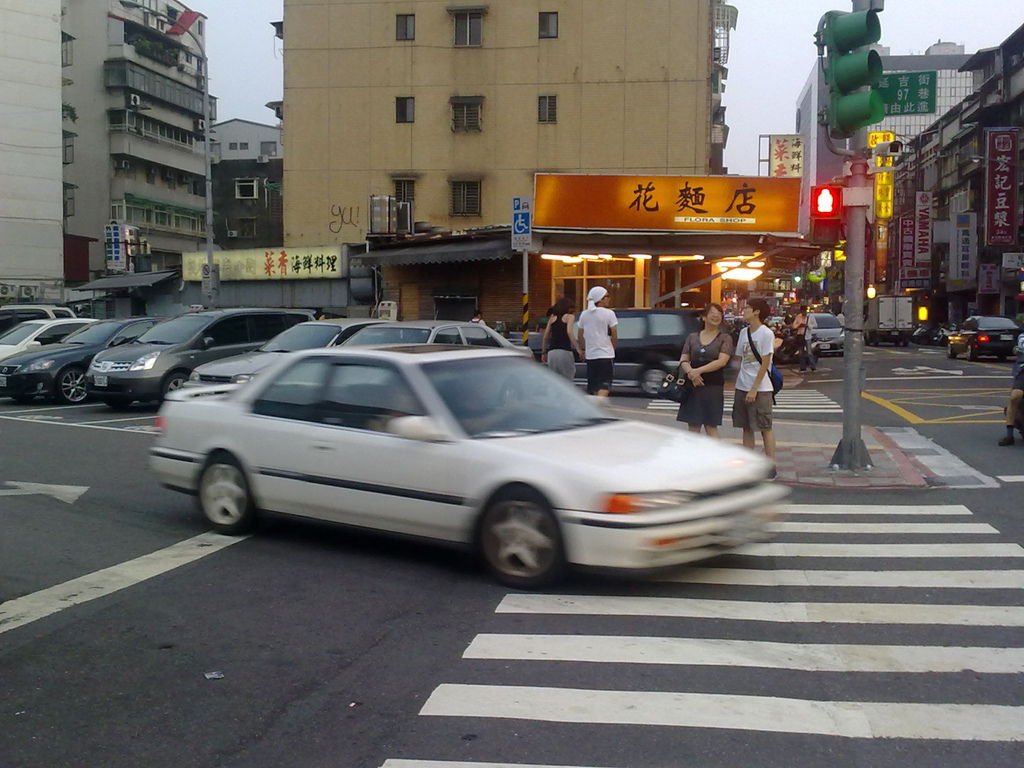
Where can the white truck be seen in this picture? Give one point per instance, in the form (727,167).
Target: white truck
(890,318)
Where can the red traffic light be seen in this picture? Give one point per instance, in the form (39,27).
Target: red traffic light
(827,202)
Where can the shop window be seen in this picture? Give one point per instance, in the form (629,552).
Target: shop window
(405,109)
(548,25)
(405,190)
(246,189)
(405,26)
(465,198)
(469,28)
(547,109)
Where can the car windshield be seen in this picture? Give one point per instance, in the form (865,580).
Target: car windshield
(494,397)
(174,331)
(997,324)
(377,334)
(19,333)
(94,333)
(302,336)
(826,321)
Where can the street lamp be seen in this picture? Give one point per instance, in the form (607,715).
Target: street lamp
(179,27)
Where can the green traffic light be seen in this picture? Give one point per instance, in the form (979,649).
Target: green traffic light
(851,67)
(845,32)
(796,279)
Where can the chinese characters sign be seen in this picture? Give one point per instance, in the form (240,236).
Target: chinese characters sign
(964,258)
(667,203)
(908,93)
(1001,186)
(910,275)
(786,160)
(270,264)
(988,278)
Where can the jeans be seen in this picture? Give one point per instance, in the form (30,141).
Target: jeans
(807,357)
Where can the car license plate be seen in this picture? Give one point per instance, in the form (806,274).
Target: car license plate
(3,381)
(826,346)
(1006,337)
(100,381)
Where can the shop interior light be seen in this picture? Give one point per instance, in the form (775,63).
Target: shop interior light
(640,256)
(743,274)
(562,258)
(726,265)
(755,264)
(694,257)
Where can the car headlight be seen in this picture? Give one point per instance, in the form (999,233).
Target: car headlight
(634,503)
(145,362)
(241,378)
(39,365)
(194,376)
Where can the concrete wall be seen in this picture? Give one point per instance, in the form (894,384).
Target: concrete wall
(632,79)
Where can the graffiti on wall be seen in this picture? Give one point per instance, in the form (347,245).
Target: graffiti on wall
(344,216)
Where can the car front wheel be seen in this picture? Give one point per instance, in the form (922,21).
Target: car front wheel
(71,386)
(174,381)
(650,381)
(520,541)
(224,496)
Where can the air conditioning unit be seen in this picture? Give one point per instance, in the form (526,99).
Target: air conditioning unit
(232,233)
(125,165)
(387,310)
(181,66)
(134,100)
(200,125)
(262,158)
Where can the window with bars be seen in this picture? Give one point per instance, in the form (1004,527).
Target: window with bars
(548,23)
(405,190)
(547,109)
(69,148)
(405,26)
(469,29)
(69,200)
(465,198)
(466,112)
(405,109)
(67,51)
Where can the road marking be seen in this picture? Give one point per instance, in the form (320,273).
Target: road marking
(806,657)
(47,408)
(755,577)
(929,378)
(1011,478)
(393,763)
(38,605)
(853,719)
(148,417)
(800,549)
(869,509)
(929,528)
(903,413)
(72,424)
(69,494)
(781,612)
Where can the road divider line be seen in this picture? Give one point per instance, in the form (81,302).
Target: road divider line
(927,528)
(1010,478)
(702,652)
(42,409)
(780,612)
(148,417)
(867,509)
(72,424)
(851,719)
(903,413)
(38,605)
(801,549)
(756,577)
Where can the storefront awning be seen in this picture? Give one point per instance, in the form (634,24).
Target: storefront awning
(441,253)
(130,280)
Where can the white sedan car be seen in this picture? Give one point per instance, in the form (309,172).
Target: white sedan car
(476,446)
(32,334)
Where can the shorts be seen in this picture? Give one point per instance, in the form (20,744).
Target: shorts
(1018,380)
(599,374)
(756,416)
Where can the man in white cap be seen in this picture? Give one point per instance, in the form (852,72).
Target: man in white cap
(597,338)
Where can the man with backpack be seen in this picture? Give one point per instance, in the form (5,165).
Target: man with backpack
(753,399)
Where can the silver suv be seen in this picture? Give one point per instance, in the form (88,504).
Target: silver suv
(13,314)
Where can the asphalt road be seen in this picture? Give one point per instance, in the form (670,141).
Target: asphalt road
(335,648)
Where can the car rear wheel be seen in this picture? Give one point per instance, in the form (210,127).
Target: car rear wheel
(71,386)
(650,381)
(520,541)
(224,495)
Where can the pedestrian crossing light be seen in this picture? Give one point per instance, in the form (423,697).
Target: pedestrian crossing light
(826,215)
(852,70)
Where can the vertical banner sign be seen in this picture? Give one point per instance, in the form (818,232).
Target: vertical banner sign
(787,156)
(1001,186)
(988,278)
(881,251)
(922,229)
(906,247)
(965,247)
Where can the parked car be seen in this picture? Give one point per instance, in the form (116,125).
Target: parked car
(433,332)
(309,335)
(164,356)
(456,445)
(826,334)
(979,335)
(38,333)
(13,314)
(58,370)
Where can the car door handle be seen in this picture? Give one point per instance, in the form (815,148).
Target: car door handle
(322,447)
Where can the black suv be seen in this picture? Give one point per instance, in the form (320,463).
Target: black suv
(649,344)
(163,357)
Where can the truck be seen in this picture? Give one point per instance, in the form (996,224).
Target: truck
(890,318)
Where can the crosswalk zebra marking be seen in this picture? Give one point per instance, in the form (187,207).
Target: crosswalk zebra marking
(852,719)
(755,577)
(925,528)
(875,509)
(460,764)
(787,401)
(800,549)
(779,612)
(806,657)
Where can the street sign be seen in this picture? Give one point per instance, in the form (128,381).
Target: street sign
(908,93)
(210,279)
(522,226)
(1013,261)
(113,240)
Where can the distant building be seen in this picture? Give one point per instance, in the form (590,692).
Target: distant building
(248,175)
(245,140)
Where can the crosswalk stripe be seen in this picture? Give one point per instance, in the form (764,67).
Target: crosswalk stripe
(741,610)
(687,651)
(876,509)
(929,528)
(460,764)
(854,719)
(753,577)
(799,549)
(1011,478)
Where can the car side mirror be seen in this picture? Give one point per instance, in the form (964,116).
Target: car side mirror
(207,342)
(35,344)
(422,428)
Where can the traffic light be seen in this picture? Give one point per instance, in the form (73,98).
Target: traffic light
(826,215)
(852,70)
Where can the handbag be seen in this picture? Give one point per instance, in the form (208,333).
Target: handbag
(774,374)
(676,388)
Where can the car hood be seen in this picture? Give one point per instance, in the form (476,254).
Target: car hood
(253,362)
(626,456)
(52,351)
(133,351)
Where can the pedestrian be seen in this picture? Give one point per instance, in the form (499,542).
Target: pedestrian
(596,339)
(752,401)
(558,343)
(705,355)
(477,317)
(1016,402)
(801,323)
